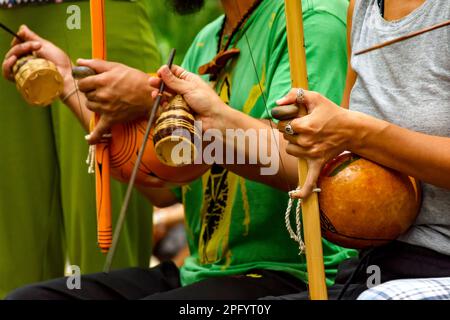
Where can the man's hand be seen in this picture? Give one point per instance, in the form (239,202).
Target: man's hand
(118,93)
(39,46)
(203,100)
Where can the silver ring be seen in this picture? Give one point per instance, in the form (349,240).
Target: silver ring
(300,96)
(183,74)
(288,129)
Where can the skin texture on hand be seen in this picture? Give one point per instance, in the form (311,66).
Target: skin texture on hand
(328,130)
(215,114)
(203,100)
(319,136)
(117,92)
(40,47)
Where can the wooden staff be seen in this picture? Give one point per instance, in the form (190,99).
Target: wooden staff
(102,165)
(310,205)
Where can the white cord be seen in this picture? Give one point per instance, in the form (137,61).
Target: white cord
(297,236)
(90,161)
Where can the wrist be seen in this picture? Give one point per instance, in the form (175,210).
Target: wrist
(362,130)
(69,83)
(69,88)
(218,118)
(354,135)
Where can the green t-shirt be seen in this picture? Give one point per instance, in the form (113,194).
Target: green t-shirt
(234,224)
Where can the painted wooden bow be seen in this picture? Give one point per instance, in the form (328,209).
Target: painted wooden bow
(310,205)
(102,165)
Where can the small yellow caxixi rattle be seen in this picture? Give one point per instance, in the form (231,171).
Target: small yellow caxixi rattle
(38,80)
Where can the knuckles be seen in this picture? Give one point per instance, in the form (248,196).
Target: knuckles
(305,126)
(305,141)
(294,150)
(316,151)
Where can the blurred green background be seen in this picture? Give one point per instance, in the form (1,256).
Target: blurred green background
(175,31)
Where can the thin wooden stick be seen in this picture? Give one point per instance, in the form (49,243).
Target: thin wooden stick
(403,38)
(126,201)
(4,27)
(310,205)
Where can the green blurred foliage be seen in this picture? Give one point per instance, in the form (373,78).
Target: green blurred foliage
(175,31)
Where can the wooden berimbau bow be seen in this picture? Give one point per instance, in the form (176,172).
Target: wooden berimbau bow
(102,164)
(310,205)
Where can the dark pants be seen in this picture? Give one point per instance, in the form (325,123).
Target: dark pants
(396,260)
(163,283)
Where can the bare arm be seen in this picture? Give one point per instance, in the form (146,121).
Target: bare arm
(419,155)
(328,130)
(216,115)
(76,101)
(274,166)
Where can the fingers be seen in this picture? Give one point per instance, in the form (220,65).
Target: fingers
(172,81)
(94,82)
(181,73)
(28,35)
(303,126)
(95,96)
(91,83)
(297,125)
(7,67)
(23,49)
(13,55)
(100,131)
(314,169)
(95,106)
(155,82)
(99,66)
(309,98)
(281,126)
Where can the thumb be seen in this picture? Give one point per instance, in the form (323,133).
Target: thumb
(102,127)
(99,66)
(314,169)
(289,98)
(173,83)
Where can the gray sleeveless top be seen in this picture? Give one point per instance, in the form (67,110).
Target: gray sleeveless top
(408,84)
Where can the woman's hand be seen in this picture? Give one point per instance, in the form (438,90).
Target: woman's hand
(41,48)
(117,92)
(319,136)
(203,100)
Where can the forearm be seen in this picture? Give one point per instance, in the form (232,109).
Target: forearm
(422,156)
(76,102)
(260,148)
